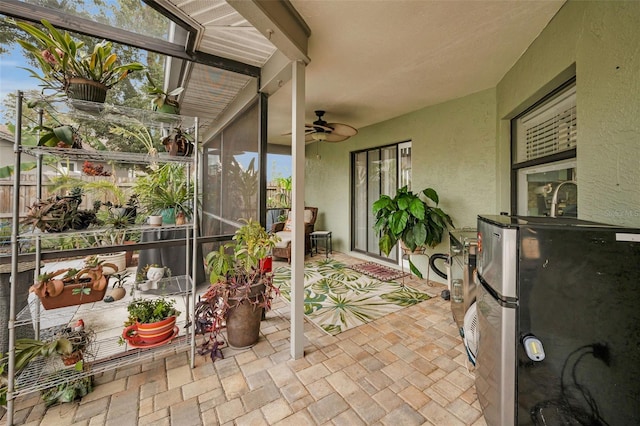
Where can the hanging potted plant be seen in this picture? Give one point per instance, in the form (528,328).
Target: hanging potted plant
(67,67)
(163,101)
(411,220)
(239,293)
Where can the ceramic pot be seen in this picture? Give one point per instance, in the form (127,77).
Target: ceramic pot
(155,220)
(243,321)
(149,334)
(119,259)
(155,274)
(168,216)
(86,90)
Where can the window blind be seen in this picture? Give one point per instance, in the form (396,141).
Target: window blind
(550,128)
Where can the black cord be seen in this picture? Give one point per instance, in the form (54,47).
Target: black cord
(564,405)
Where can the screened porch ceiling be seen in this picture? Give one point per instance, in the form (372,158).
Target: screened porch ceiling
(367,61)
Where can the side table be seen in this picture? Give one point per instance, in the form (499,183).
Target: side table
(316,236)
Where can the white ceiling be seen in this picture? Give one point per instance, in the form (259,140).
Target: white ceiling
(373,60)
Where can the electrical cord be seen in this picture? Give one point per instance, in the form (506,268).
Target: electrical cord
(564,405)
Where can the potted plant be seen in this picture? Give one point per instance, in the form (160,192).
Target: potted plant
(149,276)
(79,339)
(118,291)
(27,350)
(62,136)
(411,220)
(178,143)
(67,287)
(150,322)
(166,191)
(59,214)
(166,102)
(67,67)
(240,290)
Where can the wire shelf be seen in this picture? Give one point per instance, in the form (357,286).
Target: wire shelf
(109,351)
(45,373)
(114,113)
(179,285)
(105,156)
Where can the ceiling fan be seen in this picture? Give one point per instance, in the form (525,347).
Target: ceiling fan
(321,131)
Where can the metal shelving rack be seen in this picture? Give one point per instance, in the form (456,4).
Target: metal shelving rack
(108,353)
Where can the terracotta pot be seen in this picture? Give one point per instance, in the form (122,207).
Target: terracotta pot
(243,320)
(148,334)
(68,298)
(72,358)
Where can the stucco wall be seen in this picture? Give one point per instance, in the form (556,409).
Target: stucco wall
(454,143)
(453,151)
(600,42)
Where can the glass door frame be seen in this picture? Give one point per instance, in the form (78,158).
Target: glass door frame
(400,180)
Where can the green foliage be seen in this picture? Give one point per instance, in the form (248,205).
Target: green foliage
(252,243)
(147,311)
(408,218)
(61,57)
(164,188)
(68,391)
(159,95)
(26,351)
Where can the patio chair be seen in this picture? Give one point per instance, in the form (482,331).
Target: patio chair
(283,230)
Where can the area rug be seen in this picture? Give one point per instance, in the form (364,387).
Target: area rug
(377,271)
(337,298)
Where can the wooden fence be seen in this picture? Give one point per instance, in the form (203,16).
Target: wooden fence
(28,191)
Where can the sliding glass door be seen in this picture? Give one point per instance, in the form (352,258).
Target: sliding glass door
(375,172)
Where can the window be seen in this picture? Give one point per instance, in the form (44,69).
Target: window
(545,140)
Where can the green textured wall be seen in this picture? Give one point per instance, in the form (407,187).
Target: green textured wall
(600,43)
(462,147)
(453,151)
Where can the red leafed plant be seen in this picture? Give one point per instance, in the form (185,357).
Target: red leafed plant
(90,169)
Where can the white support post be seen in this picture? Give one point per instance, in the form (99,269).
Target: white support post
(297,208)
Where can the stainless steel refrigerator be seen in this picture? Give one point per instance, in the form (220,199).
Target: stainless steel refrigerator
(559,322)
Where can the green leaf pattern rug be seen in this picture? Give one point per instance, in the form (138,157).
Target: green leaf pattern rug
(338,298)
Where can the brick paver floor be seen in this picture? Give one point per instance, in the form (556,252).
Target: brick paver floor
(407,368)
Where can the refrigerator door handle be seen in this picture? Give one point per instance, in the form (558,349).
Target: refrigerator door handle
(508,302)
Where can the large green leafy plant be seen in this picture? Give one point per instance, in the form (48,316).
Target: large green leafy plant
(164,188)
(408,218)
(61,58)
(236,278)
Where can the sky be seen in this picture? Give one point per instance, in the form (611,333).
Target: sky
(12,77)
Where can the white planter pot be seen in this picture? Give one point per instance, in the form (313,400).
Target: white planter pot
(155,274)
(155,220)
(119,259)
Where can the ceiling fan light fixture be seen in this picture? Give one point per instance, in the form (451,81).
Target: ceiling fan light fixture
(320,137)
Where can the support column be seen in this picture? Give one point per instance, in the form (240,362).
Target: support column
(297,208)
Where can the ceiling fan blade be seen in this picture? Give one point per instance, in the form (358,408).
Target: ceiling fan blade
(343,129)
(308,138)
(308,129)
(334,137)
